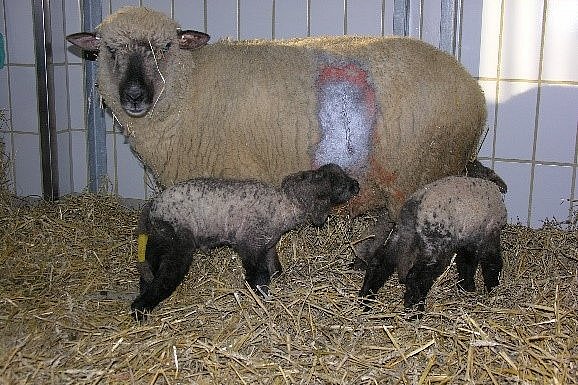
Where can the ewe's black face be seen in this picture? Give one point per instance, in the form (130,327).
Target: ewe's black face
(136,87)
(141,70)
(135,61)
(137,78)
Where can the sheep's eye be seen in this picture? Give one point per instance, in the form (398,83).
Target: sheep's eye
(111,50)
(167,47)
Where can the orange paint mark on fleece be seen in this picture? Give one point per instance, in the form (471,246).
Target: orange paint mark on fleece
(380,174)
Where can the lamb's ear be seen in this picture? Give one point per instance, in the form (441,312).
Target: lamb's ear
(87,41)
(189,39)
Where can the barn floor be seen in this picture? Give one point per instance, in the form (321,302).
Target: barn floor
(68,277)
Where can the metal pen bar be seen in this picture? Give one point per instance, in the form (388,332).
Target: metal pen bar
(45,93)
(401,17)
(95,123)
(448,26)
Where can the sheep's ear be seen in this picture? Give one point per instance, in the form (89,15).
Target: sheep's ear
(87,41)
(189,39)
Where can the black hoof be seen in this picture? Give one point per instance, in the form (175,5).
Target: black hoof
(139,311)
(358,264)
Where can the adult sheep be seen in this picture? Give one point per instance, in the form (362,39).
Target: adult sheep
(394,112)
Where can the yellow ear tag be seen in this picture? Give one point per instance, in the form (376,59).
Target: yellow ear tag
(142,246)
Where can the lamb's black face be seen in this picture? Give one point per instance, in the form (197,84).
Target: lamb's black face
(322,188)
(342,187)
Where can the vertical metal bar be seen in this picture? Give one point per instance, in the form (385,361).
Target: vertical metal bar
(45,92)
(382,18)
(345,17)
(95,124)
(573,214)
(537,113)
(421,19)
(308,17)
(273,15)
(459,29)
(205,17)
(448,25)
(238,20)
(401,17)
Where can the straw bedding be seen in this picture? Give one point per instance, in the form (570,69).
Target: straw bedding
(68,277)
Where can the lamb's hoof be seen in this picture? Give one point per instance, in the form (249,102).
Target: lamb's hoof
(139,311)
(366,299)
(414,312)
(490,289)
(470,288)
(366,304)
(262,291)
(358,264)
(139,315)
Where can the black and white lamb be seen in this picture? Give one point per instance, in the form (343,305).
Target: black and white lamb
(460,215)
(249,216)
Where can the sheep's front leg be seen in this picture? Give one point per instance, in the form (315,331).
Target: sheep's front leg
(256,264)
(419,281)
(273,264)
(171,268)
(379,269)
(491,260)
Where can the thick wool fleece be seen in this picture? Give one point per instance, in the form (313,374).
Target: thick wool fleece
(252,109)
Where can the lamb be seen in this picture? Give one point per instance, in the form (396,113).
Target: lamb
(394,112)
(249,216)
(460,215)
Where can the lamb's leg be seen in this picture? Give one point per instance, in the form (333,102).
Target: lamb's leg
(467,264)
(170,268)
(491,260)
(273,264)
(379,269)
(373,238)
(419,281)
(255,263)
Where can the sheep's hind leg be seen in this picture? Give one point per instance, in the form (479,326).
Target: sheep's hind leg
(173,265)
(491,260)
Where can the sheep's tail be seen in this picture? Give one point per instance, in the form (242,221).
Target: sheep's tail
(162,78)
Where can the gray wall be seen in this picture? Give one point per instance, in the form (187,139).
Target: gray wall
(523,52)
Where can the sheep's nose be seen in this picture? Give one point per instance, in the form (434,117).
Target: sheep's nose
(134,93)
